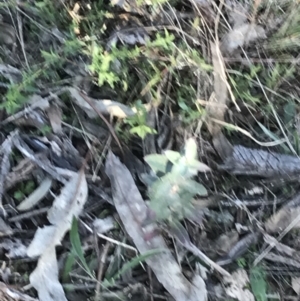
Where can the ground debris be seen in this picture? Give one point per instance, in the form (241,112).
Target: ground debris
(236,286)
(132,211)
(67,205)
(247,161)
(10,294)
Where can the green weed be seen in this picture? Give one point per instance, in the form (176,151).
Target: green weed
(137,123)
(172,190)
(258,283)
(24,190)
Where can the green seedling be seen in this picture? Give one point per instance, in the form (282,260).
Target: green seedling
(138,122)
(172,189)
(25,189)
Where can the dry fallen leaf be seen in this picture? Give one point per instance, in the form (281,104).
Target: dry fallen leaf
(54,113)
(67,205)
(242,35)
(133,211)
(296,285)
(225,242)
(5,150)
(282,219)
(218,104)
(236,286)
(105,106)
(14,248)
(45,277)
(237,12)
(36,196)
(281,248)
(11,294)
(7,34)
(104,225)
(35,102)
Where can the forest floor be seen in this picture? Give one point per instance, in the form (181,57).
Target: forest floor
(149,150)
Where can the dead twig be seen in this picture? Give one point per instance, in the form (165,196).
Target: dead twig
(101,260)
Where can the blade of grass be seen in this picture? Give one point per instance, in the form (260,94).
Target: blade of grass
(272,136)
(131,264)
(76,247)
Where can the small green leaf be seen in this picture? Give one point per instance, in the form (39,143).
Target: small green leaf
(183,106)
(198,165)
(157,162)
(68,267)
(193,187)
(18,195)
(142,131)
(181,168)
(289,112)
(172,156)
(272,136)
(29,187)
(258,284)
(148,179)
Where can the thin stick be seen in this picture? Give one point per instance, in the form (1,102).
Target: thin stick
(102,260)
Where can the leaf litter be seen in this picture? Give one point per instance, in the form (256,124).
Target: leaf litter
(67,205)
(52,161)
(133,212)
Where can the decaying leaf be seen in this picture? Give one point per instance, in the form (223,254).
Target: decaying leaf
(43,163)
(5,150)
(66,206)
(104,225)
(242,35)
(237,12)
(282,219)
(218,103)
(35,102)
(282,259)
(14,75)
(33,118)
(236,286)
(179,232)
(37,195)
(7,34)
(45,277)
(242,32)
(133,211)
(239,248)
(54,113)
(281,248)
(225,242)
(296,285)
(106,106)
(287,216)
(14,248)
(131,6)
(129,36)
(5,229)
(11,294)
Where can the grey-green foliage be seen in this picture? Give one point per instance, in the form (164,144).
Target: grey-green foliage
(173,189)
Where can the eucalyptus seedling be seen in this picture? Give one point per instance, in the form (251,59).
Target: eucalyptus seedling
(171,187)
